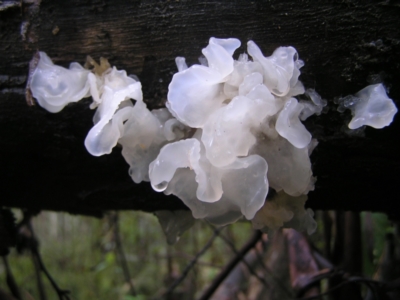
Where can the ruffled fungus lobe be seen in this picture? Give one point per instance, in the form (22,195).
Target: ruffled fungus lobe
(115,87)
(281,69)
(374,108)
(289,125)
(196,92)
(54,86)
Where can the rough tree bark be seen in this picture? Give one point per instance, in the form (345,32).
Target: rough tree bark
(44,164)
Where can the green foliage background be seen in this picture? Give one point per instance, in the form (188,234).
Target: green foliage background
(80,254)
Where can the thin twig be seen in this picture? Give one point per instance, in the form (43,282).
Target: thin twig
(62,294)
(192,263)
(38,274)
(231,265)
(251,270)
(12,285)
(121,254)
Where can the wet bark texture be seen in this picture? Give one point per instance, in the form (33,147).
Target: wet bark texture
(44,164)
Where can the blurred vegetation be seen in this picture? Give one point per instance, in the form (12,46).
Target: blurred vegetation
(81,255)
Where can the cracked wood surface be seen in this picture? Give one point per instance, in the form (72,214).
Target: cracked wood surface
(44,164)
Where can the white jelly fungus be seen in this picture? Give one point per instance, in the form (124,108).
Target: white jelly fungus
(231,129)
(111,90)
(54,86)
(371,106)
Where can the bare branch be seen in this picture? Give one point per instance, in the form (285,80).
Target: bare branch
(120,252)
(193,262)
(251,270)
(229,267)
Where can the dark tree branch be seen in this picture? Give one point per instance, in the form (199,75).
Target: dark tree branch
(45,165)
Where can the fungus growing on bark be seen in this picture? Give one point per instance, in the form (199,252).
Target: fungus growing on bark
(232,129)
